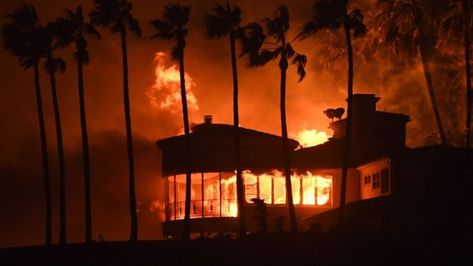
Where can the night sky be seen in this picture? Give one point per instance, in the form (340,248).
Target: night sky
(207,63)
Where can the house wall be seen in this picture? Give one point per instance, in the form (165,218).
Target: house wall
(375,179)
(304,212)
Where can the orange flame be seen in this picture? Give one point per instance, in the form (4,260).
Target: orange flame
(165,94)
(311,137)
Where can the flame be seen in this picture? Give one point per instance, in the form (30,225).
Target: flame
(165,94)
(311,137)
(220,192)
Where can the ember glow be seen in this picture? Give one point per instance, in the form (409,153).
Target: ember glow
(214,194)
(165,93)
(311,137)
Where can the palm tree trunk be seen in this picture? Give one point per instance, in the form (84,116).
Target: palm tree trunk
(185,115)
(129,141)
(348,127)
(283,64)
(236,122)
(62,168)
(85,155)
(430,87)
(467,42)
(44,155)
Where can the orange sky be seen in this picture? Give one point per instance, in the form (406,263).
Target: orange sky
(207,62)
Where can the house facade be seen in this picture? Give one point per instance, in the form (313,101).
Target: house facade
(378,138)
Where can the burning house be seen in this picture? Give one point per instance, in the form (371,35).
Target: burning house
(375,170)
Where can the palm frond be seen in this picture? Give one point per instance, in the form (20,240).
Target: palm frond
(263,57)
(251,38)
(222,20)
(300,61)
(162,30)
(23,36)
(106,12)
(54,64)
(289,51)
(355,19)
(134,26)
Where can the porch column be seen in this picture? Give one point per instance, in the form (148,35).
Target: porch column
(166,197)
(175,198)
(202,194)
(220,192)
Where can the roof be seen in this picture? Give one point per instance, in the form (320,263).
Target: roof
(213,150)
(202,131)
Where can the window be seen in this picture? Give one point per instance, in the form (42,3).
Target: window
(279,190)
(376,181)
(265,188)
(385,181)
(367,180)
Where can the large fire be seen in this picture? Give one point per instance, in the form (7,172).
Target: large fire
(165,93)
(311,137)
(216,196)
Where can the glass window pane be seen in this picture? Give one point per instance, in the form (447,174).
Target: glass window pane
(296,190)
(251,190)
(229,205)
(324,190)
(265,188)
(279,189)
(308,185)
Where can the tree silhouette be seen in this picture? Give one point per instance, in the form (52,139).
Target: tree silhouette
(455,23)
(74,29)
(23,37)
(172,26)
(260,52)
(52,65)
(333,15)
(223,21)
(116,14)
(407,29)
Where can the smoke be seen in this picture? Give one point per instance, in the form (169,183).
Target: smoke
(23,198)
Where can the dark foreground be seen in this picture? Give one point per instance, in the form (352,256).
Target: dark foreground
(276,249)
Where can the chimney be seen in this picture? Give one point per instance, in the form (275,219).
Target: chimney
(208,119)
(364,105)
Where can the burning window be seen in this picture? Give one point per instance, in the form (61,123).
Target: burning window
(214,194)
(311,189)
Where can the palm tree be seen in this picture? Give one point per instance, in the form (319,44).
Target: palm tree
(53,65)
(455,23)
(74,29)
(333,15)
(260,53)
(23,36)
(407,28)
(172,26)
(224,20)
(467,44)
(116,14)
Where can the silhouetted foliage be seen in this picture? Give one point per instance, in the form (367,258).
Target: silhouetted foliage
(73,29)
(333,15)
(116,15)
(172,26)
(260,52)
(223,21)
(24,37)
(407,29)
(260,215)
(454,25)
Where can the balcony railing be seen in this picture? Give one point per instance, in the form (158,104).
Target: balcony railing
(203,209)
